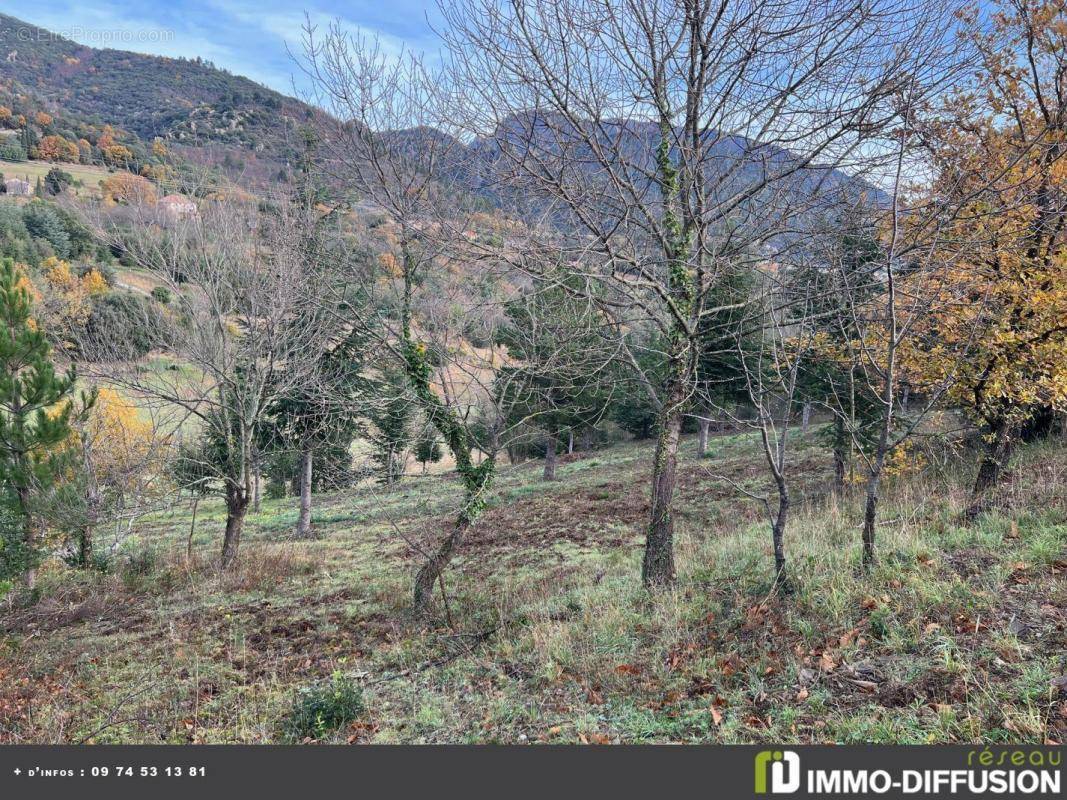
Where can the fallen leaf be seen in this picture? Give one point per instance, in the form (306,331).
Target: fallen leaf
(716,716)
(867,686)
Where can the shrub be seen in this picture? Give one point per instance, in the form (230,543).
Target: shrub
(121,327)
(15,556)
(44,223)
(161,294)
(319,710)
(57,180)
(12,151)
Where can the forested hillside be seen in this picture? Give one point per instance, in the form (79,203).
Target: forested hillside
(186,101)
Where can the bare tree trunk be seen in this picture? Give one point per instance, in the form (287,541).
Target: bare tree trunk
(658,566)
(303,524)
(431,570)
(236,509)
(840,454)
(839,469)
(192,531)
(990,468)
(570,441)
(870,512)
(805,417)
(781,579)
(256,494)
(550,457)
(702,436)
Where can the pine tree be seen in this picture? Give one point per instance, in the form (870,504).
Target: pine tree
(35,410)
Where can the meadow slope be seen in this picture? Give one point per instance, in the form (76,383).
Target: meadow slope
(544,633)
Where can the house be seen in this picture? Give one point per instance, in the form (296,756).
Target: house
(17,187)
(176,206)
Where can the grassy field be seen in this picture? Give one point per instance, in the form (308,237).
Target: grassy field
(958,634)
(30,171)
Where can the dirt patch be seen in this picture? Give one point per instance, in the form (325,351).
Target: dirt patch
(606,516)
(931,688)
(106,612)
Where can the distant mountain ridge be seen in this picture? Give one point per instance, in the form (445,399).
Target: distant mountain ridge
(188,102)
(210,116)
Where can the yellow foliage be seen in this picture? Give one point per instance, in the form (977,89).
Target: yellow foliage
(390,265)
(94,283)
(117,154)
(64,300)
(1004,293)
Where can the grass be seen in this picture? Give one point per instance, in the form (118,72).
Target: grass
(957,635)
(88,176)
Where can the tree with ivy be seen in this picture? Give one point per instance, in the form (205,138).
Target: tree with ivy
(35,415)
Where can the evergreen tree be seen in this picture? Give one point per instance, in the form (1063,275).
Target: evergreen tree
(391,416)
(832,377)
(427,448)
(35,411)
(724,337)
(562,358)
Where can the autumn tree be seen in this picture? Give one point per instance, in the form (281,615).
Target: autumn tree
(999,146)
(117,461)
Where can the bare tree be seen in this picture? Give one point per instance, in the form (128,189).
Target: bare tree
(662,139)
(245,329)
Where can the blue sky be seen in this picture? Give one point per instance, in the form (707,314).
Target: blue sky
(247,37)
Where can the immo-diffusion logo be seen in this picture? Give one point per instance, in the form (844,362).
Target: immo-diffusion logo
(1020,771)
(783,767)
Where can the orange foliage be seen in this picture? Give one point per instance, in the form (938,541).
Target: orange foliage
(127,188)
(56,148)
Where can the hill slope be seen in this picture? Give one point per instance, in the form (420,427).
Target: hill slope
(190,102)
(956,636)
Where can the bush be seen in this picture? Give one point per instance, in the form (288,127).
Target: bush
(319,710)
(15,556)
(122,327)
(161,294)
(44,223)
(57,180)
(12,151)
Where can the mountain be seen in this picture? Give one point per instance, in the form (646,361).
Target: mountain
(210,115)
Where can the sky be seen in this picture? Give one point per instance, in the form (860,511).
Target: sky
(246,37)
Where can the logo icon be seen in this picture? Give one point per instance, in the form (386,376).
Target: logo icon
(784,769)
